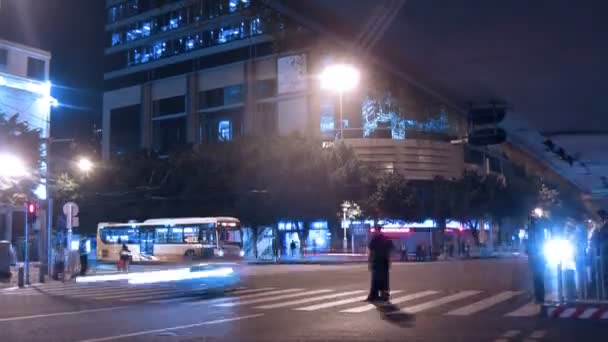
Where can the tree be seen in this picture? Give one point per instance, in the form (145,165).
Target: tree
(395,198)
(19,139)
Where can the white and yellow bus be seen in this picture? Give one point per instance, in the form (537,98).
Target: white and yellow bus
(171,239)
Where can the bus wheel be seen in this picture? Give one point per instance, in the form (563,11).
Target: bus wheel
(189,253)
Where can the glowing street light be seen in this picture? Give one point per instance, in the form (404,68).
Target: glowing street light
(340,78)
(85,165)
(539,212)
(12,166)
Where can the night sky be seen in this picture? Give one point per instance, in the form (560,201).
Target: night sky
(546,58)
(72,30)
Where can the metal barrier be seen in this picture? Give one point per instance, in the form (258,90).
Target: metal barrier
(587,278)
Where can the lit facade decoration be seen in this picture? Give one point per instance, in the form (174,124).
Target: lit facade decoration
(382,114)
(25,88)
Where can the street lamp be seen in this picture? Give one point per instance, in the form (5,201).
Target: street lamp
(539,212)
(340,78)
(85,165)
(12,166)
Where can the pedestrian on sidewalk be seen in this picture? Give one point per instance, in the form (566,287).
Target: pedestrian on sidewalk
(380,248)
(292,247)
(84,256)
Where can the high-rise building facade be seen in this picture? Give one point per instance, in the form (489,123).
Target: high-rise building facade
(192,71)
(25,88)
(182,72)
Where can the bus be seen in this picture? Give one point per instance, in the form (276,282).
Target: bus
(171,239)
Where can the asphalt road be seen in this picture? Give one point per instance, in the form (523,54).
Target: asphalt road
(475,300)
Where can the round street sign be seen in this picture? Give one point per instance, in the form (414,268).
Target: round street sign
(70,208)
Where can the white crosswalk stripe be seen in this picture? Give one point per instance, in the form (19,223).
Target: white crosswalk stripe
(484,304)
(528,310)
(438,302)
(298,299)
(308,300)
(336,303)
(231,293)
(256,295)
(397,300)
(271,299)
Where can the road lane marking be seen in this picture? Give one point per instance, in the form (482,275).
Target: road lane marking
(337,303)
(179,327)
(530,309)
(538,334)
(511,333)
(484,304)
(131,294)
(232,298)
(308,300)
(438,302)
(272,299)
(237,292)
(398,300)
(57,314)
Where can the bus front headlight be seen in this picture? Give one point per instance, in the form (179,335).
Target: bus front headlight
(242,253)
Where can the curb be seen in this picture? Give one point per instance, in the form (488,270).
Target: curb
(574,311)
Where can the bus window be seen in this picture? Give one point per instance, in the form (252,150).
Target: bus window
(191,234)
(161,235)
(176,235)
(116,235)
(207,234)
(230,236)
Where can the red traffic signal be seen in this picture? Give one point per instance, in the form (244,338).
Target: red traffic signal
(32,211)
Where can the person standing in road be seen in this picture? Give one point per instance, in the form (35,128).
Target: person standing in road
(536,260)
(84,256)
(380,249)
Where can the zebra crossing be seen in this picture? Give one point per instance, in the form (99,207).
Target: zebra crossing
(469,302)
(346,302)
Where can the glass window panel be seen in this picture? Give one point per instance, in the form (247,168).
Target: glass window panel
(176,235)
(224,130)
(162,235)
(118,235)
(233,94)
(191,234)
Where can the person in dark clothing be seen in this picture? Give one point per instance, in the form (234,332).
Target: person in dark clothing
(536,260)
(292,246)
(125,258)
(380,249)
(84,257)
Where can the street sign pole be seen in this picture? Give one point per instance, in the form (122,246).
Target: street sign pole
(26,255)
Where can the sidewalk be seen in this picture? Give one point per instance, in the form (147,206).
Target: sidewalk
(13,280)
(317,259)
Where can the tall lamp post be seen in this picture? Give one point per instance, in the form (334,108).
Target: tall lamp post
(13,169)
(340,78)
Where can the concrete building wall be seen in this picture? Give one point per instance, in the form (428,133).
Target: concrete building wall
(30,97)
(415,159)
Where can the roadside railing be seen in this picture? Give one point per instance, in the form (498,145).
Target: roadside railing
(585,277)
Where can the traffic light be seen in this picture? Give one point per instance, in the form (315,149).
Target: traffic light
(32,211)
(483,122)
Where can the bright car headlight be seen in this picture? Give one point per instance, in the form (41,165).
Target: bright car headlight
(558,251)
(242,253)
